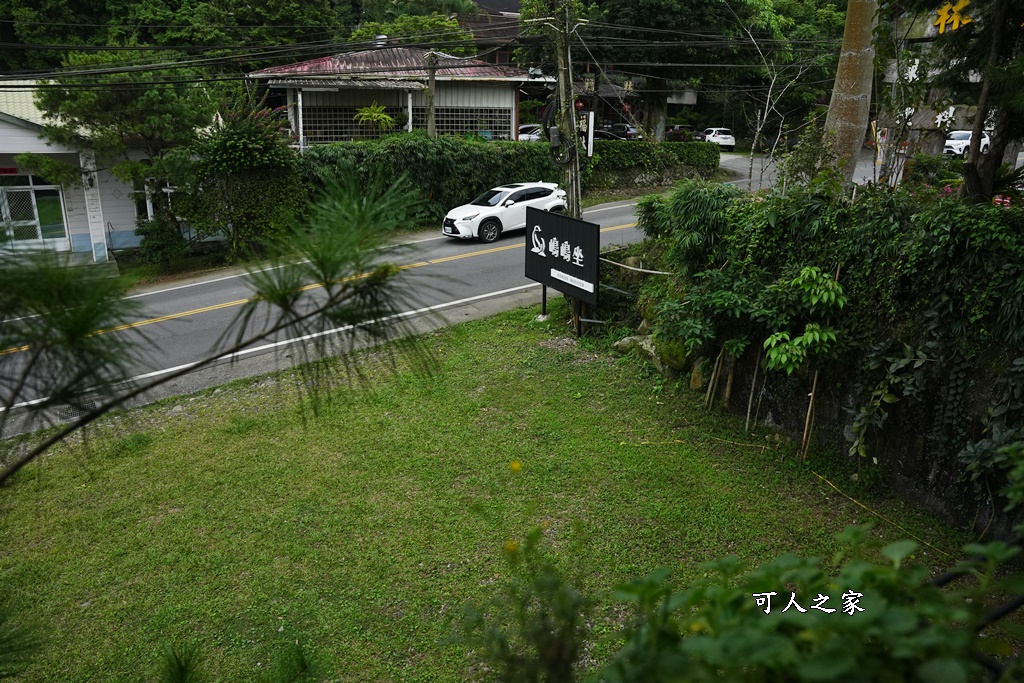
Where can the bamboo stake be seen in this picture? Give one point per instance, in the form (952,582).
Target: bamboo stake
(709,397)
(728,381)
(760,395)
(753,387)
(805,444)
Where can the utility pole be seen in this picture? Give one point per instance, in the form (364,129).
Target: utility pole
(566,115)
(431,60)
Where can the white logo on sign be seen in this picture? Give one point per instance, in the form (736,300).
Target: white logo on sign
(538,242)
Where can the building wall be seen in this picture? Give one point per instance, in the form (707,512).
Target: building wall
(118,212)
(17,140)
(117,202)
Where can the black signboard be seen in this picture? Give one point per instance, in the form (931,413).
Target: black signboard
(562,253)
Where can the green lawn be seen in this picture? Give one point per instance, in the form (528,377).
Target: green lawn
(224,520)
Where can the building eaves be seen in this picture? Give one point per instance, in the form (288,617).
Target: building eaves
(18,105)
(397,63)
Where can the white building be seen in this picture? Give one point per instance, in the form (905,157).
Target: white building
(90,218)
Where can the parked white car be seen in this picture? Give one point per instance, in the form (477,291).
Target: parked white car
(958,143)
(501,209)
(529,132)
(723,136)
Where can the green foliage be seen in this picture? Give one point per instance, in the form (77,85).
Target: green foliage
(51,314)
(906,629)
(789,619)
(436,31)
(529,111)
(162,242)
(535,629)
(244,182)
(121,113)
(813,159)
(990,459)
(18,643)
(448,171)
(935,170)
(612,158)
(931,301)
(181,664)
(376,116)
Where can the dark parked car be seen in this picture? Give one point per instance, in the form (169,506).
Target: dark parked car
(605,135)
(624,130)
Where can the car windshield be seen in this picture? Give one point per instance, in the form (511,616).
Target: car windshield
(960,135)
(489,198)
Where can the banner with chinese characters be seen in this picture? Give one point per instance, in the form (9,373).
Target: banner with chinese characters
(562,253)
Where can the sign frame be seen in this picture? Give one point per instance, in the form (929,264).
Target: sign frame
(572,268)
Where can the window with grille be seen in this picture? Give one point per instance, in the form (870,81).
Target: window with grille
(336,124)
(490,123)
(31,209)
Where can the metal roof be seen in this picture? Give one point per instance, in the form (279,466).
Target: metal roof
(402,63)
(337,83)
(17,100)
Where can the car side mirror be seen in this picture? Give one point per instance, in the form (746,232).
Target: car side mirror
(509,202)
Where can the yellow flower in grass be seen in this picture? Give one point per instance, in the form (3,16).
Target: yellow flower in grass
(511,546)
(515,466)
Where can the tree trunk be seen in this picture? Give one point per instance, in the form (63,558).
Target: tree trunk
(977,186)
(851,96)
(655,115)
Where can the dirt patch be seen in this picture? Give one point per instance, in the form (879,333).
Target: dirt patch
(559,344)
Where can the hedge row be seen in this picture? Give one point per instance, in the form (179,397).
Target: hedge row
(450,170)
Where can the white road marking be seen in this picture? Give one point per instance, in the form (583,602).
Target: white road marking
(286,342)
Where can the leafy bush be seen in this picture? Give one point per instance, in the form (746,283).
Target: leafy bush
(245,180)
(162,242)
(933,294)
(791,619)
(936,170)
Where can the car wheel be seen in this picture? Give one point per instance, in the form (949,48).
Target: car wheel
(984,149)
(489,231)
(556,209)
(729,148)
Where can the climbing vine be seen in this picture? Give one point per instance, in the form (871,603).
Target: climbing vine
(914,304)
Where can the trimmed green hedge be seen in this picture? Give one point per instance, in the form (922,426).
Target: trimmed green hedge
(628,162)
(450,171)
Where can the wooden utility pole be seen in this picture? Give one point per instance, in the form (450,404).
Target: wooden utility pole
(431,60)
(566,116)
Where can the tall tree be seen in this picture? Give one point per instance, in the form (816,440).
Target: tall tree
(850,108)
(132,121)
(981,38)
(431,30)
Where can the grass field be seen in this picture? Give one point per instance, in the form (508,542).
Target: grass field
(230,520)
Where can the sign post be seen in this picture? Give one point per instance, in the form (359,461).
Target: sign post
(563,253)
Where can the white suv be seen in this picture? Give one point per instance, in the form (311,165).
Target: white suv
(723,136)
(500,209)
(958,143)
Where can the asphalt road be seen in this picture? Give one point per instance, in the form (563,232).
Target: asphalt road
(764,172)
(455,280)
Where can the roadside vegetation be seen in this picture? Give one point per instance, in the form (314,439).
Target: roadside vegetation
(240,521)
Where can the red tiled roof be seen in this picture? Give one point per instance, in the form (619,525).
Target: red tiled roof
(391,62)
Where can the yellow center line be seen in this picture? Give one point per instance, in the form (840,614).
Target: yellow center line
(239,302)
